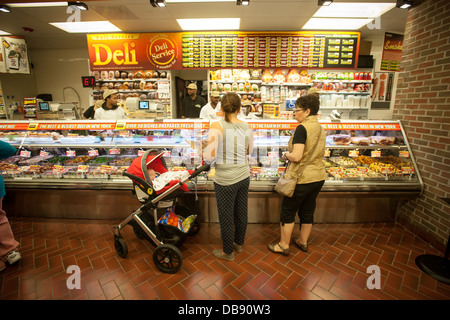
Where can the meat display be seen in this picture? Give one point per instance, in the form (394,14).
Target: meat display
(383,140)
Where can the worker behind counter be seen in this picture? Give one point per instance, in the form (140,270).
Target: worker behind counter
(90,112)
(192,104)
(110,109)
(212,110)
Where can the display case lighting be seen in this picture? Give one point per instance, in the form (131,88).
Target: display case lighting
(243,2)
(403,4)
(325,2)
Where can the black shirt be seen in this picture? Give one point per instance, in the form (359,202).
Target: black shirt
(191,108)
(89,113)
(299,135)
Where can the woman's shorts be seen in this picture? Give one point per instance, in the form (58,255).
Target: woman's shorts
(303,201)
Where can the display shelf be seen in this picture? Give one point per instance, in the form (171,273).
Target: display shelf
(350,166)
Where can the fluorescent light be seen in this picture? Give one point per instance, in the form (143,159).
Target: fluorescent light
(4,33)
(210,24)
(5,8)
(185,1)
(38,4)
(354,10)
(86,27)
(335,24)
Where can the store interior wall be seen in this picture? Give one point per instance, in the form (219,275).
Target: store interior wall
(16,87)
(422,104)
(59,72)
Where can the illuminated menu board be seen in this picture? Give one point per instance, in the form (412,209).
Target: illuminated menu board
(270,50)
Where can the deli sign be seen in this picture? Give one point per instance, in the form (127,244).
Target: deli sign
(134,51)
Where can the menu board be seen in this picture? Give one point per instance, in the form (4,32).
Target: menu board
(270,50)
(197,50)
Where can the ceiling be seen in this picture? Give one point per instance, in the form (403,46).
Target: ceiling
(140,16)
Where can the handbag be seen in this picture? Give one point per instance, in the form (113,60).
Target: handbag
(285,186)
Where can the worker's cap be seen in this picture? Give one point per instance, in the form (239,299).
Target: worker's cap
(108,92)
(313,90)
(192,86)
(215,94)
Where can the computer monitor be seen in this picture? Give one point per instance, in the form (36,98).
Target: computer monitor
(144,105)
(44,106)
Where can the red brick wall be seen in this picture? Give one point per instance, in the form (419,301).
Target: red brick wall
(423,104)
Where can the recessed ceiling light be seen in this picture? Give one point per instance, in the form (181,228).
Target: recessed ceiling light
(354,10)
(335,24)
(38,4)
(4,33)
(86,26)
(210,24)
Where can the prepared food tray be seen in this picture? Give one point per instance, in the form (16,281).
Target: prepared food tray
(328,163)
(73,161)
(34,160)
(269,174)
(100,160)
(344,162)
(339,139)
(122,161)
(360,173)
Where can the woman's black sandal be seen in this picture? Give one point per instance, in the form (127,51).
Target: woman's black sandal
(284,252)
(303,247)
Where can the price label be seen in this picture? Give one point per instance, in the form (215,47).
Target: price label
(58,168)
(256,170)
(114,151)
(335,169)
(362,170)
(403,154)
(327,153)
(375,154)
(25,154)
(43,153)
(353,153)
(35,168)
(386,170)
(166,154)
(141,153)
(70,153)
(407,170)
(93,153)
(194,154)
(273,154)
(83,168)
(105,169)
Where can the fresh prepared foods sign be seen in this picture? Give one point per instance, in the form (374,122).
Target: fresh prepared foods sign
(205,50)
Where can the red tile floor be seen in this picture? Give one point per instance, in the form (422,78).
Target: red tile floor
(334,268)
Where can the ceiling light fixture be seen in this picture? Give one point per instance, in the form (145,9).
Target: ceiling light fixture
(335,24)
(80,5)
(404,4)
(86,26)
(243,2)
(354,10)
(38,4)
(5,8)
(325,2)
(4,33)
(158,3)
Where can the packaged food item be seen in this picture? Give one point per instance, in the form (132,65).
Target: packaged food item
(361,141)
(278,76)
(383,140)
(341,139)
(267,76)
(293,76)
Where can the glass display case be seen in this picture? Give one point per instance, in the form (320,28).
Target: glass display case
(362,158)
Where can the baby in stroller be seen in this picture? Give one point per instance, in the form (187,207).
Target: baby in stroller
(169,223)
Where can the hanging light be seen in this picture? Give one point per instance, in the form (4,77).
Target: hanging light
(243,2)
(403,4)
(325,2)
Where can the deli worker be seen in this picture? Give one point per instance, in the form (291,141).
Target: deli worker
(110,109)
(192,104)
(212,110)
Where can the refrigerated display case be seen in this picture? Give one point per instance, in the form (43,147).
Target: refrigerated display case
(73,168)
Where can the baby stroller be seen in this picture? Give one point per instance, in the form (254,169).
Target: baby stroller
(164,235)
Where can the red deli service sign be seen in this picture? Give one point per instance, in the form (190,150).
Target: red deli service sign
(134,51)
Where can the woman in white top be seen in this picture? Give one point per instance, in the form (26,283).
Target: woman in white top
(110,110)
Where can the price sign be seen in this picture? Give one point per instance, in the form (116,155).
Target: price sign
(25,154)
(93,153)
(70,153)
(88,82)
(83,168)
(43,153)
(403,154)
(353,153)
(327,153)
(407,170)
(114,151)
(166,154)
(375,154)
(141,153)
(362,170)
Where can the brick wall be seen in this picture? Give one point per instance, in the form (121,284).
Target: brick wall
(423,104)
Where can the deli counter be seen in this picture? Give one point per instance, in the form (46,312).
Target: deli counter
(72,169)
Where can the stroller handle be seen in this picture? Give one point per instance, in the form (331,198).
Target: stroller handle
(199,170)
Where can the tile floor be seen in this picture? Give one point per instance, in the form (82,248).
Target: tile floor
(335,268)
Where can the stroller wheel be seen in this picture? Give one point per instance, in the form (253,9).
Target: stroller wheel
(185,212)
(121,247)
(167,258)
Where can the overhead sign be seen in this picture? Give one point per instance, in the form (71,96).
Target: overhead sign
(204,50)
